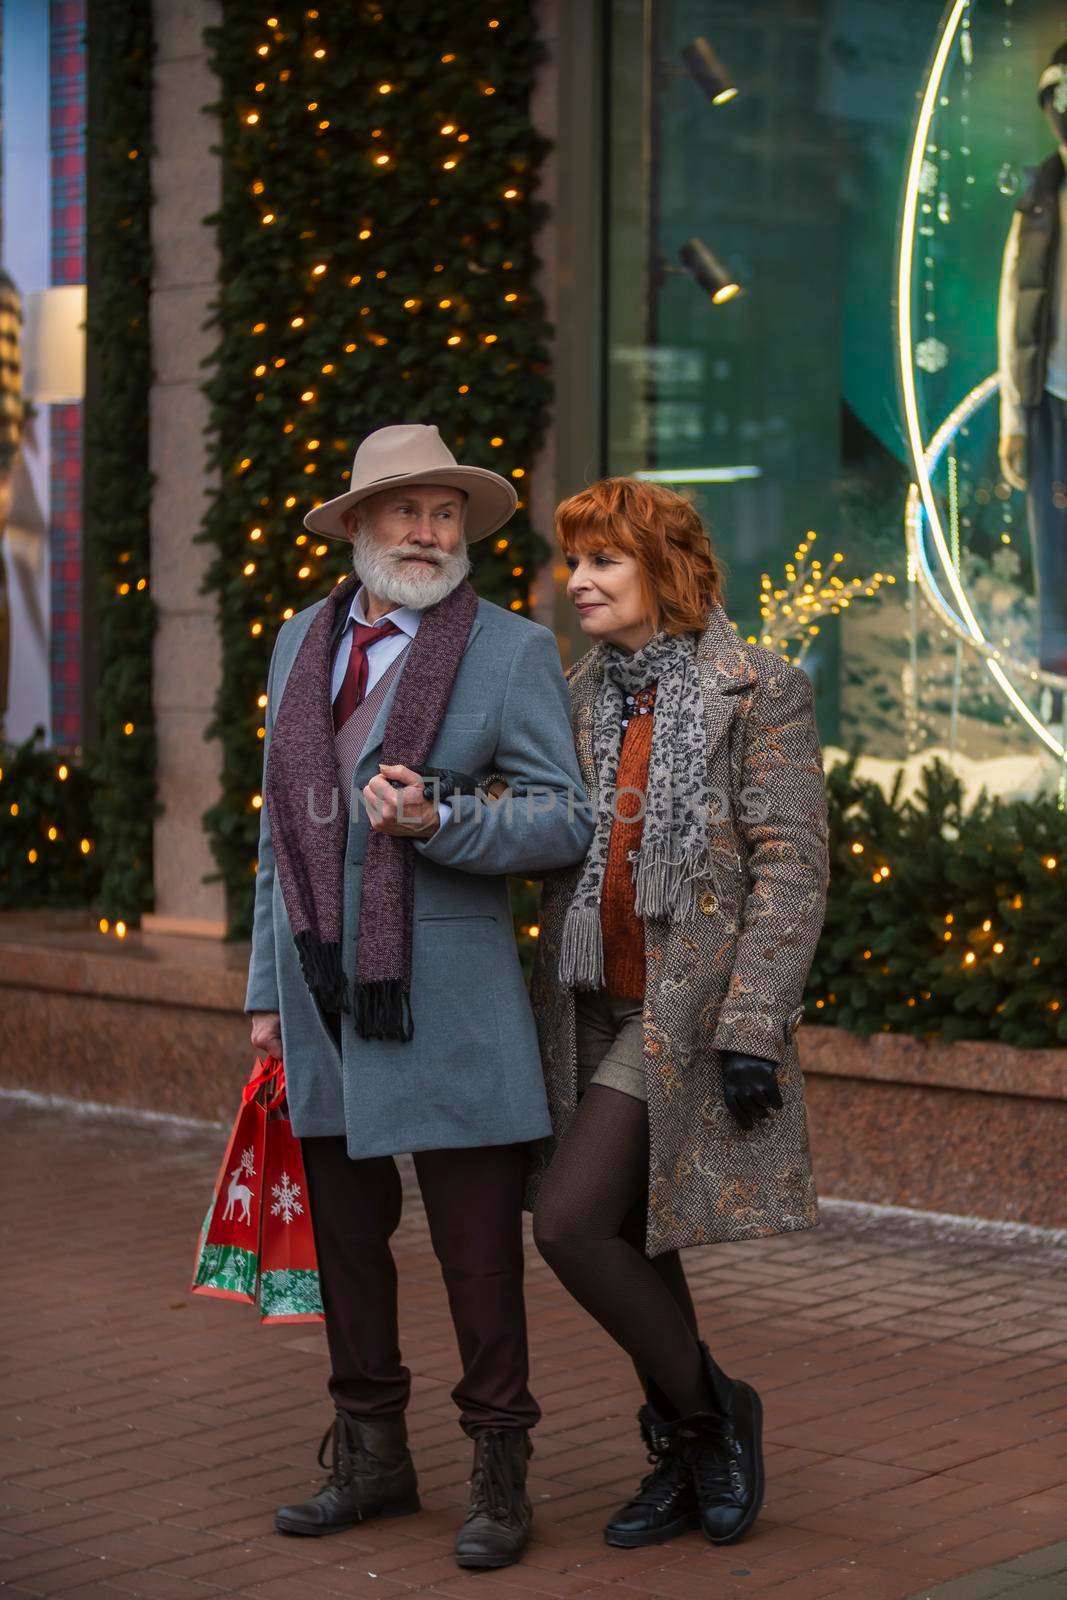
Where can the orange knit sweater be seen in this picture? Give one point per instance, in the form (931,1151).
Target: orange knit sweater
(623,931)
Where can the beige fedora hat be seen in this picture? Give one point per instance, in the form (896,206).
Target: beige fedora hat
(411,452)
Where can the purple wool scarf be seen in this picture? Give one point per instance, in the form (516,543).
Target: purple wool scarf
(301,787)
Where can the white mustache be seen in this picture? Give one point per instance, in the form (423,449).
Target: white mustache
(416,555)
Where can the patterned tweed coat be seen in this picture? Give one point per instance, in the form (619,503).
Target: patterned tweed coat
(730,978)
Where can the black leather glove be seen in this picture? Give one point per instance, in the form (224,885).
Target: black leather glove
(441,783)
(750,1088)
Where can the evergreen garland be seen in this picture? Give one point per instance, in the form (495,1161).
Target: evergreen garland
(942,921)
(376,236)
(46,855)
(121,752)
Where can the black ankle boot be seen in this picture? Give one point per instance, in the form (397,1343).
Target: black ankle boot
(372,1475)
(723,1448)
(665,1504)
(497,1526)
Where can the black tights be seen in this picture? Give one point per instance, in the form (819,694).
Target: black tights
(590,1227)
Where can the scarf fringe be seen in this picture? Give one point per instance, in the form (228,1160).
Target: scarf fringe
(581,956)
(664,887)
(320,962)
(383,1010)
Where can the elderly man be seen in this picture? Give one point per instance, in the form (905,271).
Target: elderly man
(384,970)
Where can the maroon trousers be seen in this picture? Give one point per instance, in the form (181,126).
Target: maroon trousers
(473,1201)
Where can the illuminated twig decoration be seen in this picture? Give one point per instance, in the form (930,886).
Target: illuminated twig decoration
(792,612)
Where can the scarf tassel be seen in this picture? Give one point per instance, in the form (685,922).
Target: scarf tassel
(666,888)
(383,1010)
(581,955)
(320,962)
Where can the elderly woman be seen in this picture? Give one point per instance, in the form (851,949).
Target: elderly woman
(669,980)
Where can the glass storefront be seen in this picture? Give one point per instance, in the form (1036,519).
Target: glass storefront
(807,213)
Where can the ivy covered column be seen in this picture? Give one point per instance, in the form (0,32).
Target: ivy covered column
(187,655)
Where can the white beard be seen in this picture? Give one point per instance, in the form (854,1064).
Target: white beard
(386,573)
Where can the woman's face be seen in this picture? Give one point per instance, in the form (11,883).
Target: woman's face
(605,589)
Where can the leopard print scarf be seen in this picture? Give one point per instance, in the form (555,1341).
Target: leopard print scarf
(674,842)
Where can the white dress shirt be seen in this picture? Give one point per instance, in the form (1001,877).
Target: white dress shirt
(1012,414)
(380,655)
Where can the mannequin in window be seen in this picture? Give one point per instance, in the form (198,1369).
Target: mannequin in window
(1032,337)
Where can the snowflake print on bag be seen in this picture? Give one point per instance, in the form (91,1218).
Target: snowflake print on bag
(287,1202)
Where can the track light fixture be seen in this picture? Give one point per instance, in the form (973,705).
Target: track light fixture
(705,267)
(708,71)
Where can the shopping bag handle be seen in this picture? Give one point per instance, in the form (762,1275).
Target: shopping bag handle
(268,1071)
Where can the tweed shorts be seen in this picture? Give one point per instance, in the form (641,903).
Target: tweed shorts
(610,1042)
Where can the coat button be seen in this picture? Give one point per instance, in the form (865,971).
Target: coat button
(708,903)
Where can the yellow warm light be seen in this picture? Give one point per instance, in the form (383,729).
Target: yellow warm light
(256,629)
(319,55)
(127,728)
(998,948)
(53,834)
(249,568)
(511,194)
(381,161)
(518,472)
(103,924)
(303,572)
(85,846)
(449,164)
(453,338)
(296,322)
(729,291)
(490,338)
(324,124)
(31,855)
(62,772)
(496,441)
(307,396)
(464,388)
(968,960)
(267,218)
(510,297)
(120,930)
(385,88)
(1050,862)
(318,270)
(14,808)
(501,544)
(261,701)
(449,127)
(257,801)
(857,849)
(290,501)
(258,327)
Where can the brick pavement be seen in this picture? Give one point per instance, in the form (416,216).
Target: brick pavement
(913,1372)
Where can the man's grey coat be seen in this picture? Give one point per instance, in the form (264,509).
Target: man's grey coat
(472,1073)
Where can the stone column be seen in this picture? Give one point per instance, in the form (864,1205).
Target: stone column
(566,107)
(187,655)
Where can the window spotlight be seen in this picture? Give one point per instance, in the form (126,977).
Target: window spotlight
(705,67)
(709,272)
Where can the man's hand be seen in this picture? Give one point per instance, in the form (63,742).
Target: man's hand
(402,812)
(1013,459)
(749,1088)
(267,1033)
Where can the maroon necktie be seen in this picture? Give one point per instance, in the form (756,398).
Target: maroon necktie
(354,685)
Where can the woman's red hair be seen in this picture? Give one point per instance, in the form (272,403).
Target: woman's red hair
(681,577)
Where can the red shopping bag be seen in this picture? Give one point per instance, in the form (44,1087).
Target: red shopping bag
(288,1267)
(227,1256)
